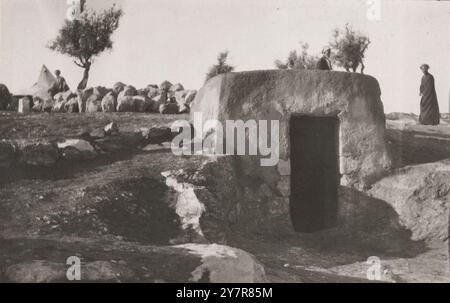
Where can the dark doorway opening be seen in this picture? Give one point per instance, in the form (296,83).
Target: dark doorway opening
(314,143)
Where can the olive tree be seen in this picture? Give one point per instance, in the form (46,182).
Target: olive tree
(349,48)
(221,67)
(87,36)
(298,60)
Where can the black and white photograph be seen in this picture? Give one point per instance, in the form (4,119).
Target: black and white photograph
(216,142)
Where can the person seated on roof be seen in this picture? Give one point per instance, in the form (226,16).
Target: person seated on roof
(324,62)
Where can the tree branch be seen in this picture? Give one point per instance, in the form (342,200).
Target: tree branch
(78,64)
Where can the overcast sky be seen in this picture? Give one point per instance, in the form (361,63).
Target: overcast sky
(178,39)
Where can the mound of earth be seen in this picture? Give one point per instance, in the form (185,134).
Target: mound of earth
(420,196)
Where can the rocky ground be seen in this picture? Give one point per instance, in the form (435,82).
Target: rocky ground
(114,209)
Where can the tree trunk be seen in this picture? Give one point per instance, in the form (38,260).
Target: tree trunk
(362,67)
(82,85)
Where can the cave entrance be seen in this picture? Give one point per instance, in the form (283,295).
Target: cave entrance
(314,145)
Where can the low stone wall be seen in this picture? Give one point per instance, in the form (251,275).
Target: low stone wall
(165,99)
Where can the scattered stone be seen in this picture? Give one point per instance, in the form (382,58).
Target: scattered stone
(176,87)
(141,104)
(169,109)
(111,129)
(101,91)
(224,264)
(64,96)
(118,87)
(126,104)
(47,105)
(143,92)
(76,149)
(109,102)
(97,133)
(37,104)
(94,104)
(59,107)
(165,86)
(128,90)
(72,106)
(40,154)
(152,92)
(112,144)
(157,135)
(81,145)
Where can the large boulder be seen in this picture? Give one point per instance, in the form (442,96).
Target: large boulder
(185,97)
(111,129)
(59,107)
(101,91)
(161,99)
(157,135)
(72,106)
(65,96)
(37,104)
(165,86)
(76,149)
(39,154)
(128,91)
(142,104)
(109,102)
(176,87)
(5,97)
(118,87)
(143,92)
(126,104)
(152,92)
(47,105)
(420,195)
(94,104)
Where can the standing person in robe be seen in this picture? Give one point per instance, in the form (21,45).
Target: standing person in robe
(60,85)
(429,107)
(324,63)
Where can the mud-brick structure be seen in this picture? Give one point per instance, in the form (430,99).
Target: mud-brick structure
(332,135)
